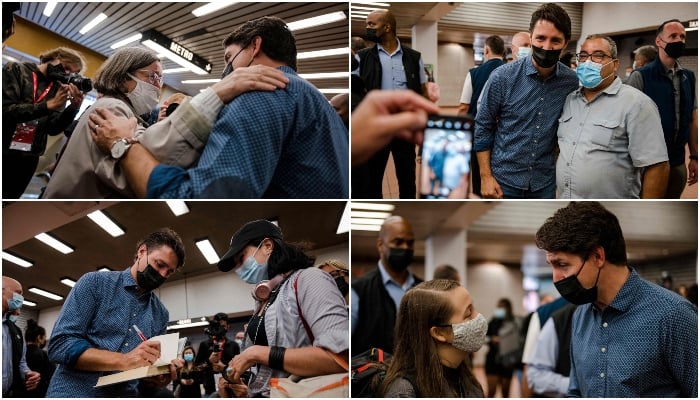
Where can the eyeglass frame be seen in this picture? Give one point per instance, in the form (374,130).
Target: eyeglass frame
(151,74)
(595,57)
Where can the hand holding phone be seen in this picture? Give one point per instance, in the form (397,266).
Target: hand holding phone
(447,143)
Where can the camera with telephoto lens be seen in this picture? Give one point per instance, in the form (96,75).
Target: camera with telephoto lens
(215,330)
(81,82)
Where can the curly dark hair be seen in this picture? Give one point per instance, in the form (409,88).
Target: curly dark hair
(278,43)
(555,14)
(164,237)
(579,228)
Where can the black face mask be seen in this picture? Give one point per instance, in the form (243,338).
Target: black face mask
(342,285)
(149,279)
(53,70)
(400,259)
(570,289)
(674,49)
(371,35)
(545,58)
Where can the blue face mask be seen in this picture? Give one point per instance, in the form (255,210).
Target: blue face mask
(12,318)
(589,74)
(500,313)
(524,52)
(189,357)
(251,271)
(15,303)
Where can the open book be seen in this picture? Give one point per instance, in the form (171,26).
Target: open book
(170,347)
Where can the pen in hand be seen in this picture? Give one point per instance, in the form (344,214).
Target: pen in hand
(141,335)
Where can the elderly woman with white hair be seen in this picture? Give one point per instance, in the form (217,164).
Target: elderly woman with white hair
(129,84)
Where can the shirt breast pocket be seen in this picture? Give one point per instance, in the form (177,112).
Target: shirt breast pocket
(604,132)
(565,126)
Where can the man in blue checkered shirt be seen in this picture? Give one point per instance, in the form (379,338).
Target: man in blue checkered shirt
(629,337)
(282,144)
(516,123)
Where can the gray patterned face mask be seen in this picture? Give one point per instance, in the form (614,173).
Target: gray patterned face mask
(469,335)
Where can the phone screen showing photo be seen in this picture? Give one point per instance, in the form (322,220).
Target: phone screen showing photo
(447,144)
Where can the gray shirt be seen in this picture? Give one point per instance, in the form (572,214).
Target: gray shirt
(323,308)
(605,143)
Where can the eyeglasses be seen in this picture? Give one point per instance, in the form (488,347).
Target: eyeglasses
(595,57)
(153,77)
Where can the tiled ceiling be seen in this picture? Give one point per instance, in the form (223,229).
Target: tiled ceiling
(466,23)
(499,231)
(201,35)
(314,223)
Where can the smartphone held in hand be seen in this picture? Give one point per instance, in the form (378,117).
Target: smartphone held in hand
(446,154)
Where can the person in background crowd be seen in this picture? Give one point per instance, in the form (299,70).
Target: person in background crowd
(94,332)
(673,89)
(586,248)
(384,116)
(494,50)
(520,45)
(377,294)
(297,322)
(340,103)
(437,326)
(296,158)
(215,352)
(644,55)
(341,275)
(446,271)
(37,358)
(17,378)
(623,158)
(34,107)
(377,73)
(129,82)
(171,104)
(515,135)
(569,59)
(498,372)
(189,379)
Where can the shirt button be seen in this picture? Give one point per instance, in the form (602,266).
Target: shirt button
(603,349)
(538,127)
(126,344)
(605,324)
(602,374)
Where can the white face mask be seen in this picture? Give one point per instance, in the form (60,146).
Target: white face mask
(144,97)
(524,52)
(469,335)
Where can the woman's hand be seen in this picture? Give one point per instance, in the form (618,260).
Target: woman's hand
(106,128)
(245,79)
(249,357)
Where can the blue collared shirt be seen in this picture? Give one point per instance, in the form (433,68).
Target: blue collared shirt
(644,344)
(282,144)
(517,121)
(395,290)
(393,73)
(7,377)
(99,313)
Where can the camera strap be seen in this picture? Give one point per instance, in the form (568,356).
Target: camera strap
(44,93)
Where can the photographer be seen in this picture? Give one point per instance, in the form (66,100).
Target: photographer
(216,352)
(34,102)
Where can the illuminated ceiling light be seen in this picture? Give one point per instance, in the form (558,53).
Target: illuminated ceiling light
(211,7)
(50,6)
(126,41)
(188,323)
(352,3)
(178,207)
(106,223)
(341,51)
(344,224)
(207,250)
(373,206)
(53,242)
(325,75)
(174,70)
(68,282)
(101,17)
(103,269)
(371,228)
(197,81)
(316,21)
(28,303)
(370,214)
(334,91)
(17,260)
(42,292)
(364,9)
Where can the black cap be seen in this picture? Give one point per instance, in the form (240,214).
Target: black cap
(252,230)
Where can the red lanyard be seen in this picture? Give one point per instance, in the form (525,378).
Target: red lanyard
(46,91)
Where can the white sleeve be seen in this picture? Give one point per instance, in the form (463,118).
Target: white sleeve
(467,90)
(533,331)
(541,376)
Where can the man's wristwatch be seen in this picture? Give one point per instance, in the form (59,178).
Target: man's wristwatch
(120,147)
